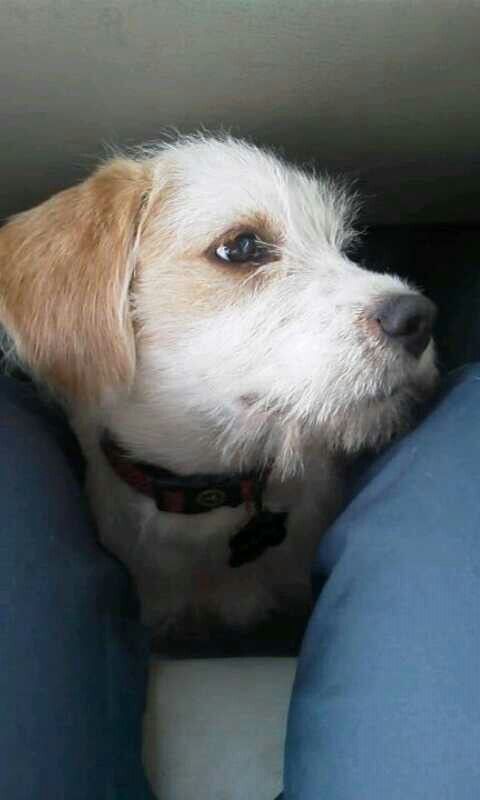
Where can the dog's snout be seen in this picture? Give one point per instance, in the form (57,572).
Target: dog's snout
(408,320)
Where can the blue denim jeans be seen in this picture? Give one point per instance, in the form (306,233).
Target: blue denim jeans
(386,704)
(72,655)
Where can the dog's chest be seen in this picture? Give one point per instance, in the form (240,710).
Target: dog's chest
(181,563)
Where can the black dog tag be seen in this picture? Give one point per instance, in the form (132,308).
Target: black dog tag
(261,532)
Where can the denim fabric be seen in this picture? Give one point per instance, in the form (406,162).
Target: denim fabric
(386,702)
(73,657)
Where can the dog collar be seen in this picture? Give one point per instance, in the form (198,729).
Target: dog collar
(180,494)
(200,493)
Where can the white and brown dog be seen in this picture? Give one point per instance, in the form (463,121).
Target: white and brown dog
(220,356)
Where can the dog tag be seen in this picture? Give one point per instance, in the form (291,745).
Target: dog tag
(263,531)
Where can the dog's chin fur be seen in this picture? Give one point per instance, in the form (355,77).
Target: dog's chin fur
(114,296)
(277,439)
(269,432)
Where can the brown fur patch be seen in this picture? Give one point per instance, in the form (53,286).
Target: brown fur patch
(65,269)
(190,282)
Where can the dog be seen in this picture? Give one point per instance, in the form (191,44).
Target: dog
(221,358)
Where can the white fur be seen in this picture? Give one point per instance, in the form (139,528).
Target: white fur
(322,384)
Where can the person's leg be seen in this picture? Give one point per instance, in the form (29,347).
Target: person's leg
(386,702)
(71,660)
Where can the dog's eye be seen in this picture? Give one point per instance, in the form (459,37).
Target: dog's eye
(244,248)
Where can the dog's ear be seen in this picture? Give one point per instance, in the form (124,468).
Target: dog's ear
(65,271)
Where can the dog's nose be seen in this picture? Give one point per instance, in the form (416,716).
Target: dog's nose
(408,320)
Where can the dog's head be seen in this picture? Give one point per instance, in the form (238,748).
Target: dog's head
(200,301)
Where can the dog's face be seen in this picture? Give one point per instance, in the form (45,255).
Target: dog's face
(213,297)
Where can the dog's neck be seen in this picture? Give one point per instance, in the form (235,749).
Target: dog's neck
(182,440)
(200,494)
(184,494)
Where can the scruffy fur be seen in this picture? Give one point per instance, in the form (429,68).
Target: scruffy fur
(112,296)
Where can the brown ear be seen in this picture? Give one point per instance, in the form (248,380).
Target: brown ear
(65,271)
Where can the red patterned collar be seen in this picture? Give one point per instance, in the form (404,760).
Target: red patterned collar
(197,494)
(179,494)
